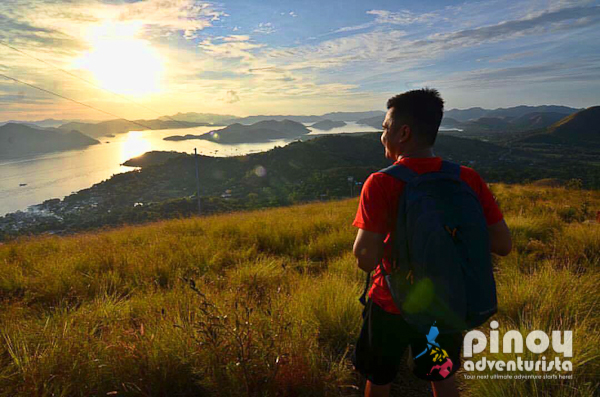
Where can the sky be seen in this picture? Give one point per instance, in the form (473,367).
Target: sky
(147,58)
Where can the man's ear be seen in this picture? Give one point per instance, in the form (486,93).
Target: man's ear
(404,133)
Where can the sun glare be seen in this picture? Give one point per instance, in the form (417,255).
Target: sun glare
(134,145)
(121,62)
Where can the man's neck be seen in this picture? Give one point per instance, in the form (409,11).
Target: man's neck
(418,153)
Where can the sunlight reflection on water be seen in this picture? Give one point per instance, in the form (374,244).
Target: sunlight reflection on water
(135,144)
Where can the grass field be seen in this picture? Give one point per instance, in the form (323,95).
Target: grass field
(265,302)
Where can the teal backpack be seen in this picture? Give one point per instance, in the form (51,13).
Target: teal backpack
(441,259)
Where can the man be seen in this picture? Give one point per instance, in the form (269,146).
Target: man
(409,132)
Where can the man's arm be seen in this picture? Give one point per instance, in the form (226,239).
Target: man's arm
(368,249)
(500,240)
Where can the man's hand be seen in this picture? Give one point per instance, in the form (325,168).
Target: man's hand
(500,240)
(368,249)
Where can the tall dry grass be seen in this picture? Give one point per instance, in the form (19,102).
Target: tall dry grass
(263,302)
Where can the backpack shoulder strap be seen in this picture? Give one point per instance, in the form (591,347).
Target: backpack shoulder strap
(449,167)
(400,172)
(400,248)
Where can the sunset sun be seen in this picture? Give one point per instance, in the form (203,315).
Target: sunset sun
(122,63)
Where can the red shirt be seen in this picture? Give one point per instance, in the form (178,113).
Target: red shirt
(377,210)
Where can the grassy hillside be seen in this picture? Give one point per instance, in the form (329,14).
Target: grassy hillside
(265,302)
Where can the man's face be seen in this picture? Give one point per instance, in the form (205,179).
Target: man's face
(390,137)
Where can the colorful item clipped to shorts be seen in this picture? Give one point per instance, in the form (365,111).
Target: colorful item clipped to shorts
(384,338)
(433,363)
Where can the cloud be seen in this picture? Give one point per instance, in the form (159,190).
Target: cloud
(267,69)
(563,19)
(18,31)
(403,17)
(362,26)
(265,28)
(60,31)
(23,99)
(383,17)
(585,70)
(231,96)
(72,20)
(236,37)
(12,93)
(510,57)
(188,16)
(392,46)
(234,46)
(391,49)
(364,47)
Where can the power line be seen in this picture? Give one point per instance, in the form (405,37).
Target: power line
(88,82)
(73,100)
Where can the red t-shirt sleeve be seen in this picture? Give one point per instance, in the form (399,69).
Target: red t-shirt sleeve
(490,206)
(373,208)
(491,210)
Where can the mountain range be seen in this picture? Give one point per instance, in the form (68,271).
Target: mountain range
(512,112)
(371,118)
(518,118)
(547,123)
(113,127)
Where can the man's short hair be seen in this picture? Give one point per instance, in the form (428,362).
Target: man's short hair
(421,109)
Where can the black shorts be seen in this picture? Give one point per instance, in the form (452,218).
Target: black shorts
(385,336)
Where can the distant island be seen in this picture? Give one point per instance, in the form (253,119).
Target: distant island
(327,125)
(375,121)
(112,127)
(263,131)
(22,140)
